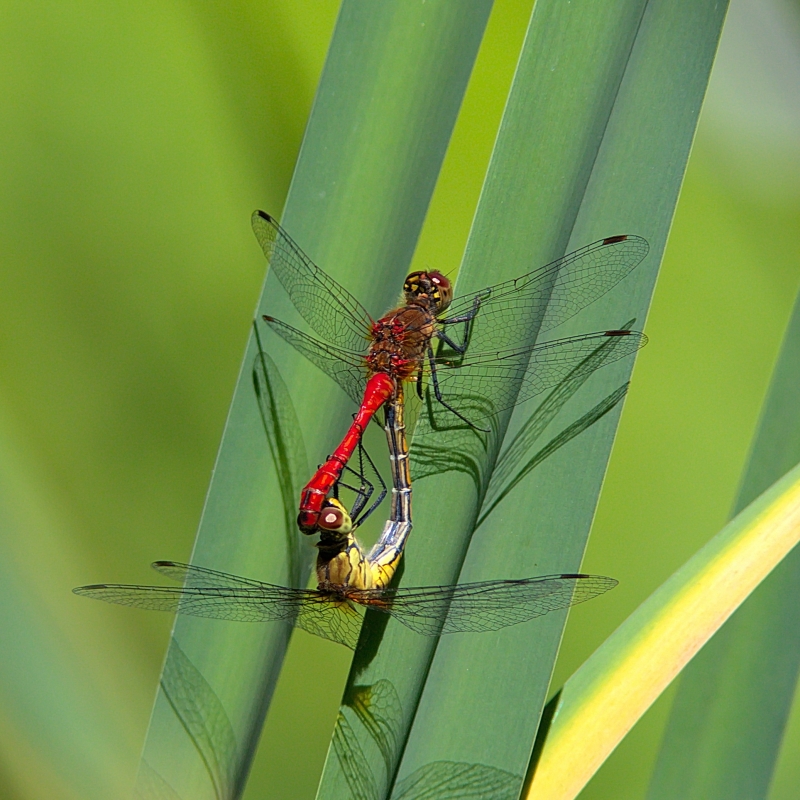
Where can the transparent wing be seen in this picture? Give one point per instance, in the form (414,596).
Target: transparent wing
(346,367)
(242,605)
(488,605)
(484,384)
(552,293)
(323,303)
(192,575)
(430,610)
(337,621)
(214,595)
(220,595)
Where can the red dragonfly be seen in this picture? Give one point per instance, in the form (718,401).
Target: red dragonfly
(492,360)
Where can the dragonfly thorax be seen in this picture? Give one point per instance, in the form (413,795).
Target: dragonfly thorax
(399,341)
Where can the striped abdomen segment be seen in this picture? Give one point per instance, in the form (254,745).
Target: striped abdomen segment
(384,558)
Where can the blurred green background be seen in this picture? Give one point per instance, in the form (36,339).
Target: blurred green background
(137,139)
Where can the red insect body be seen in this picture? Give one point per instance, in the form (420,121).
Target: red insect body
(397,350)
(380,388)
(503,368)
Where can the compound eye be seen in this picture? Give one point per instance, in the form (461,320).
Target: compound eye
(440,280)
(444,290)
(330,519)
(334,518)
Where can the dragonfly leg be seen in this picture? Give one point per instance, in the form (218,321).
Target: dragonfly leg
(459,348)
(366,489)
(380,387)
(362,492)
(467,320)
(438,394)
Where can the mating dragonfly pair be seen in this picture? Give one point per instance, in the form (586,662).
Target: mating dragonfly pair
(491,360)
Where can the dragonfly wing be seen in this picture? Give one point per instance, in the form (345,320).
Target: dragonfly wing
(337,621)
(346,367)
(551,362)
(485,384)
(324,304)
(550,294)
(491,605)
(192,575)
(207,593)
(220,595)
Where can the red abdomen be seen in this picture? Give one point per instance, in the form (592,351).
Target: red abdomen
(380,388)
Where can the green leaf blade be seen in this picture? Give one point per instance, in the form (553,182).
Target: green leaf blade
(733,701)
(602,701)
(497,685)
(574,161)
(360,221)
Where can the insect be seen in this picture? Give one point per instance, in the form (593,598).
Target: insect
(346,574)
(330,611)
(493,358)
(350,579)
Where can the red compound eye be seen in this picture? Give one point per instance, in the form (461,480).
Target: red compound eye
(330,519)
(439,280)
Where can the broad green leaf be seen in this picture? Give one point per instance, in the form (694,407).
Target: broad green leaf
(602,701)
(509,471)
(594,142)
(382,117)
(734,698)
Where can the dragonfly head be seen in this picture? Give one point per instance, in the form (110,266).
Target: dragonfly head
(334,518)
(432,290)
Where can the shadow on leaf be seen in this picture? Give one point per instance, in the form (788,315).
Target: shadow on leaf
(286,446)
(509,470)
(206,723)
(377,709)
